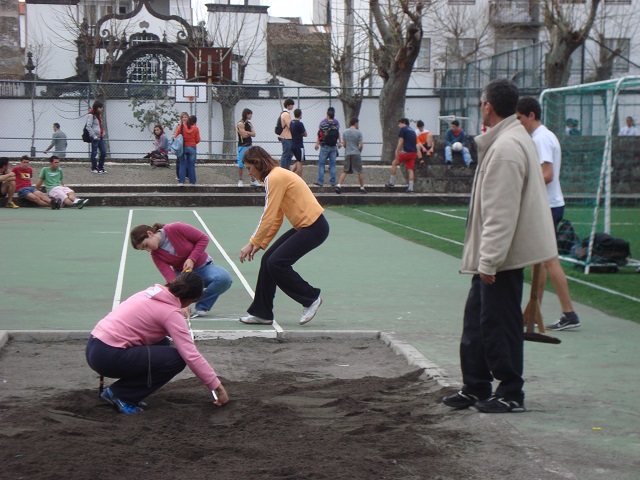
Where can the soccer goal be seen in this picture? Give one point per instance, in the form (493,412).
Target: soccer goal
(600,174)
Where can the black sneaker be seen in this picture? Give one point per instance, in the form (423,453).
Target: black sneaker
(389,185)
(460,400)
(337,189)
(54,204)
(102,171)
(564,323)
(496,404)
(363,190)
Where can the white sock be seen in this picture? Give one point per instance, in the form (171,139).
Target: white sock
(392,179)
(410,184)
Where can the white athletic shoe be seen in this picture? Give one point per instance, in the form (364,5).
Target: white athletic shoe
(199,313)
(240,183)
(253,320)
(310,312)
(255,183)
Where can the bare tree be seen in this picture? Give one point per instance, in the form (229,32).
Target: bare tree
(350,49)
(396,47)
(568,26)
(243,34)
(612,32)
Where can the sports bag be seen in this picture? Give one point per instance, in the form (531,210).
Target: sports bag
(331,135)
(279,128)
(566,237)
(606,249)
(86,138)
(159,160)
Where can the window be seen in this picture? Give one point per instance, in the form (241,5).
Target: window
(507,44)
(622,46)
(423,62)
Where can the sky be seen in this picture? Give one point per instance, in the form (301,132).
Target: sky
(280,8)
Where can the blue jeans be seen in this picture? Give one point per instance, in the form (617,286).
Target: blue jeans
(95,146)
(188,165)
(285,159)
(332,153)
(216,281)
(448,155)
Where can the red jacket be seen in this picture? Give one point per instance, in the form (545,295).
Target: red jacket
(191,135)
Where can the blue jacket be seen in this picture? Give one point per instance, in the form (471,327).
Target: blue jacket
(450,138)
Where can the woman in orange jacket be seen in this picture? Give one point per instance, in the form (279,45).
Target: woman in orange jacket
(191,135)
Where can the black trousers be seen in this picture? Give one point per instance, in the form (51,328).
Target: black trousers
(492,341)
(141,370)
(276,268)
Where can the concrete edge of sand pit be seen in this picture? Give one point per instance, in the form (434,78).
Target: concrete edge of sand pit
(409,352)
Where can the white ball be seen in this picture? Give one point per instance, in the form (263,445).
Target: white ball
(456,147)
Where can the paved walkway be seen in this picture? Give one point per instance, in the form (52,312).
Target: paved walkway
(62,271)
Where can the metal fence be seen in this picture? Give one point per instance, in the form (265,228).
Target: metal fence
(131,110)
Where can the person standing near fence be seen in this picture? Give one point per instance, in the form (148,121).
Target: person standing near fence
(550,154)
(58,142)
(352,143)
(191,135)
(328,142)
(184,116)
(298,132)
(246,132)
(285,135)
(96,130)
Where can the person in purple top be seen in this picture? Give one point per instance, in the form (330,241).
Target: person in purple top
(328,142)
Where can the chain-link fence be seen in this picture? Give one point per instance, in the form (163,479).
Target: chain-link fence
(131,110)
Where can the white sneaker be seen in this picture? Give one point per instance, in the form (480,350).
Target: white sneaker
(253,320)
(310,312)
(240,183)
(199,313)
(255,183)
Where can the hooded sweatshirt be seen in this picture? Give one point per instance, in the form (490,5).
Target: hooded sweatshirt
(146,318)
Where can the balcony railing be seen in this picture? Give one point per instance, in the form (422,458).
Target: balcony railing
(514,12)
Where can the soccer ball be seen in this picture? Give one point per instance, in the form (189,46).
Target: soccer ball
(456,147)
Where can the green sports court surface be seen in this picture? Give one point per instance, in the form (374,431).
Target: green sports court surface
(65,270)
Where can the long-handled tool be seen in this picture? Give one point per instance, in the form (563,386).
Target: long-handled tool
(532,315)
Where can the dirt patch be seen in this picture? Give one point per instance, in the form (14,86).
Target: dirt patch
(316,409)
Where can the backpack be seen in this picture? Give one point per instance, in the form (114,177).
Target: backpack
(566,237)
(159,160)
(279,127)
(86,138)
(606,249)
(331,135)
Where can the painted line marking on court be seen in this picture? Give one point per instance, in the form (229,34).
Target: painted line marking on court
(247,287)
(569,277)
(123,259)
(412,229)
(444,214)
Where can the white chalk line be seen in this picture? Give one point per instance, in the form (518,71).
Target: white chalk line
(577,280)
(123,259)
(235,268)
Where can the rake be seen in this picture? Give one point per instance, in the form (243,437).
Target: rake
(532,315)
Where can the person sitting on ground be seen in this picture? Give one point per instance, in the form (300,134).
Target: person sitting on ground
(24,174)
(52,178)
(131,344)
(7,183)
(176,248)
(160,142)
(425,141)
(455,134)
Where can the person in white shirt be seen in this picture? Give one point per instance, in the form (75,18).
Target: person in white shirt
(630,130)
(528,112)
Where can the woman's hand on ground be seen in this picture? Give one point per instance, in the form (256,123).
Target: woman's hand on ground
(223,397)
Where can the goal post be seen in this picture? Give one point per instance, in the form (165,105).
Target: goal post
(600,175)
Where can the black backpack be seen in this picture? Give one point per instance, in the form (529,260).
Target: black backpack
(279,127)
(566,237)
(331,135)
(86,138)
(606,249)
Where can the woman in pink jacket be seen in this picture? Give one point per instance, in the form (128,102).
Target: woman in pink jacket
(131,344)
